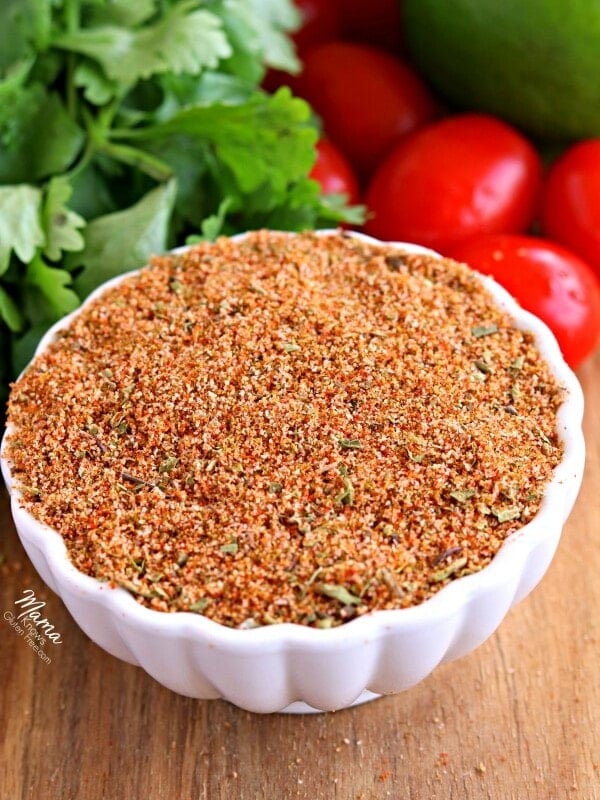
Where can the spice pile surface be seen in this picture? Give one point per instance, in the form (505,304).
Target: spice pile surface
(287,428)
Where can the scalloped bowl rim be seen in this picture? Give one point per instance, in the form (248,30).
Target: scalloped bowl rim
(558,500)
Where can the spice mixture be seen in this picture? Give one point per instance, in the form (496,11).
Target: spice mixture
(287,428)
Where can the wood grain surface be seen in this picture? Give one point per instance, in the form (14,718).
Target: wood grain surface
(519,719)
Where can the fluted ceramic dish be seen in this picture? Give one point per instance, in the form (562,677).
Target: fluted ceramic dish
(294,668)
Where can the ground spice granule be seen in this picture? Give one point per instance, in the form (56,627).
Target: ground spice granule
(287,428)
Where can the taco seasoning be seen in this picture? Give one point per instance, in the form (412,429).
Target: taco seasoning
(286,428)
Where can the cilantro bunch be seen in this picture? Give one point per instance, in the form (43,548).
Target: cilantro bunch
(126,126)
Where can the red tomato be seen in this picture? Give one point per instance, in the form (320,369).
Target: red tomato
(321,23)
(377,22)
(366,98)
(333,172)
(548,280)
(570,209)
(459,177)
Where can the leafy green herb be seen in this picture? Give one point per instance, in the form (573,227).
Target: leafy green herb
(185,40)
(212,226)
(506,514)
(127,126)
(417,459)
(51,286)
(121,241)
(10,312)
(291,347)
(350,444)
(543,436)
(484,330)
(347,496)
(310,581)
(168,465)
(389,579)
(20,224)
(231,548)
(62,226)
(482,366)
(446,572)
(200,605)
(339,593)
(138,565)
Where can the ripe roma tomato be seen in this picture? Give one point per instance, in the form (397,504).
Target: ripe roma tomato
(456,178)
(320,23)
(548,280)
(333,172)
(570,208)
(366,98)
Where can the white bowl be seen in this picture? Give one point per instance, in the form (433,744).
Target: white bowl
(293,668)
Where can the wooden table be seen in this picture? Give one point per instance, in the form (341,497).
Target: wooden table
(519,719)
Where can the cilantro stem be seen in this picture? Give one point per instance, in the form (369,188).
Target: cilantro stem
(71,16)
(131,133)
(71,9)
(85,159)
(98,130)
(137,158)
(107,114)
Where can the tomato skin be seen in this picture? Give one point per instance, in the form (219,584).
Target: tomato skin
(321,23)
(548,280)
(332,170)
(461,176)
(570,202)
(366,98)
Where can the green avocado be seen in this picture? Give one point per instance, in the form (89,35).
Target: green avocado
(534,63)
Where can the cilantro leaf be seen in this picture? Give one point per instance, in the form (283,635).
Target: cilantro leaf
(185,40)
(5,363)
(212,226)
(128,13)
(188,160)
(45,296)
(23,347)
(211,87)
(266,141)
(53,285)
(335,210)
(37,135)
(10,312)
(256,31)
(92,196)
(61,224)
(122,241)
(272,19)
(14,79)
(20,227)
(339,593)
(24,25)
(97,88)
